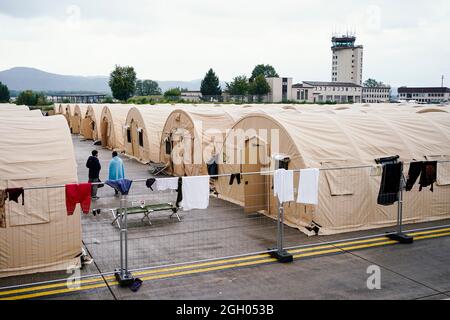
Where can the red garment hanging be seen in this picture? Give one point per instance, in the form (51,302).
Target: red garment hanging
(78,193)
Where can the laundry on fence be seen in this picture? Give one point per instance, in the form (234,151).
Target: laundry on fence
(2,209)
(283,185)
(428,175)
(123,185)
(235,176)
(308,186)
(164,184)
(150,182)
(390,183)
(195,192)
(415,168)
(13,194)
(427,170)
(179,192)
(78,193)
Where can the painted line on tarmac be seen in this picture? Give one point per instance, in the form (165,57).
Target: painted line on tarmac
(183,267)
(171,272)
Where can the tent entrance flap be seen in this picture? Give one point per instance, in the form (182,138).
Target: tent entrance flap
(104,130)
(134,139)
(76,124)
(86,128)
(255,185)
(178,154)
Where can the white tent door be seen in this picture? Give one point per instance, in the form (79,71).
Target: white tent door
(255,185)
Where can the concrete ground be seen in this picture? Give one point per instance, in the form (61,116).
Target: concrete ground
(418,271)
(415,272)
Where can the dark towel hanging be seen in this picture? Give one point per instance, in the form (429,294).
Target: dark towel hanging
(428,175)
(390,183)
(427,170)
(2,209)
(415,168)
(179,192)
(149,183)
(14,194)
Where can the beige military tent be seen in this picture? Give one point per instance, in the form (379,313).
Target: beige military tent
(68,113)
(78,119)
(39,236)
(8,107)
(84,124)
(112,123)
(192,136)
(143,130)
(91,129)
(55,109)
(61,109)
(17,114)
(347,197)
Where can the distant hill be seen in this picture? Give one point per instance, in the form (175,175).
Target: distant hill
(24,78)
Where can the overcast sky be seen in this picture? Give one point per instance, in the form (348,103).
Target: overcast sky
(407,42)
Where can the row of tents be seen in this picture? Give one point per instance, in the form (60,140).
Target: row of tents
(39,236)
(310,136)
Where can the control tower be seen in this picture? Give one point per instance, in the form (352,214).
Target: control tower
(347,63)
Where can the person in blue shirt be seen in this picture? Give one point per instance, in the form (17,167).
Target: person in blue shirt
(116,169)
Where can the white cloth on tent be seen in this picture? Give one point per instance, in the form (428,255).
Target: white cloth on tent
(195,193)
(166,184)
(283,185)
(308,186)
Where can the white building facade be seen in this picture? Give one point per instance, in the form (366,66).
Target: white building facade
(326,92)
(424,94)
(376,94)
(193,96)
(280,89)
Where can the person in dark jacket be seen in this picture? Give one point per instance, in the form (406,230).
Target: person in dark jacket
(93,164)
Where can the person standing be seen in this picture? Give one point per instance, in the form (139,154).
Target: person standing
(116,169)
(93,164)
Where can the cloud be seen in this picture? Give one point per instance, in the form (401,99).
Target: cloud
(405,41)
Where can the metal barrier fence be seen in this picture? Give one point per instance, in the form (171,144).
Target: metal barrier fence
(226,230)
(123,240)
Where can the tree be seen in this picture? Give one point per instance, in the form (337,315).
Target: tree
(4,93)
(30,98)
(210,85)
(138,91)
(171,93)
(259,86)
(239,86)
(372,83)
(122,82)
(108,99)
(266,70)
(150,88)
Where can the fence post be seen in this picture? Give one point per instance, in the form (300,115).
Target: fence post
(123,276)
(279,253)
(400,236)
